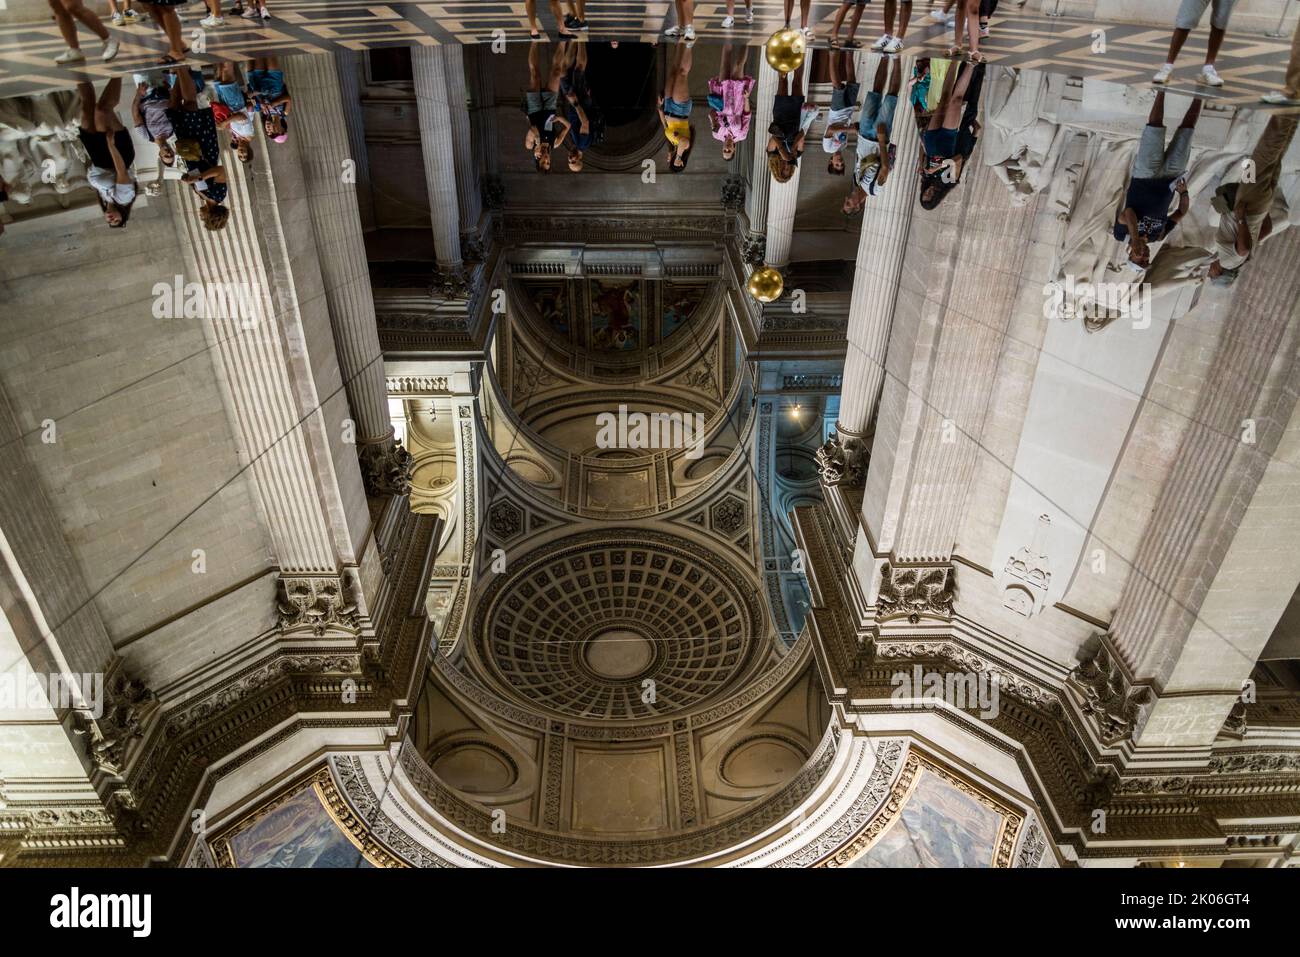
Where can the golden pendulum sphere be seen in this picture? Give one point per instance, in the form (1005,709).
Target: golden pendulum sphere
(766,284)
(785,50)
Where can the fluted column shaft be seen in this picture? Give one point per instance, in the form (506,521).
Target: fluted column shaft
(436,144)
(348,63)
(337,224)
(469,203)
(882,244)
(760,178)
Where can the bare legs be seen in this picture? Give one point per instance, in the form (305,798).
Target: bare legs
(68,12)
(803,12)
(904,16)
(166,18)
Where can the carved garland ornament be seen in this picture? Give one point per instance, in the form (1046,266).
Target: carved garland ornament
(1117,707)
(317,603)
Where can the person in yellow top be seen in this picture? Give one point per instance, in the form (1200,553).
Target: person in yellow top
(675,108)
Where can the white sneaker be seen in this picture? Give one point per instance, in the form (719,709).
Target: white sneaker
(807,34)
(1209,76)
(749,14)
(689,33)
(131,16)
(211,21)
(70,56)
(895,44)
(110,49)
(673,31)
(1163,74)
(261,12)
(250,13)
(1279,99)
(936,16)
(117,19)
(728,22)
(881,43)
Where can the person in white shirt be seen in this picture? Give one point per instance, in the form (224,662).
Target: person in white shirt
(844,102)
(110,152)
(875,153)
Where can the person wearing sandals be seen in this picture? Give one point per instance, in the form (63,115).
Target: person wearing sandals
(271,97)
(110,151)
(941,174)
(803,18)
(729,113)
(968,18)
(675,108)
(149,114)
(791,118)
(545,127)
(844,101)
(943,164)
(729,20)
(685,25)
(233,112)
(66,15)
(163,13)
(875,152)
(851,43)
(1158,172)
(196,143)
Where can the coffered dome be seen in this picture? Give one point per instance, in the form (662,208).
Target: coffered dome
(619,625)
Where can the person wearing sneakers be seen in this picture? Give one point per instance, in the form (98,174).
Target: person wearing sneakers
(839,120)
(66,15)
(110,151)
(987,9)
(944,14)
(124,15)
(1289,95)
(803,18)
(546,129)
(729,112)
(1158,172)
(214,17)
(1189,15)
(729,20)
(256,10)
(875,152)
(577,19)
(685,25)
(891,42)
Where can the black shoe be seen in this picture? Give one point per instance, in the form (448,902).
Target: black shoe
(571,22)
(580,24)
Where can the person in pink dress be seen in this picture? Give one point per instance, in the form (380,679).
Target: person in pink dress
(729,112)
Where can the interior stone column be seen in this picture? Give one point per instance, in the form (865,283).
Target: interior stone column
(782,198)
(760,178)
(336,223)
(436,144)
(483,117)
(470,205)
(349,64)
(882,243)
(1218,563)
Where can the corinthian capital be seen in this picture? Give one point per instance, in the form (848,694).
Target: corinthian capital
(386,468)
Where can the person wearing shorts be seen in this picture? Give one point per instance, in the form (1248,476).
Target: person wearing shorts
(1189,15)
(232,111)
(844,101)
(1158,171)
(874,151)
(675,108)
(270,97)
(109,150)
(545,126)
